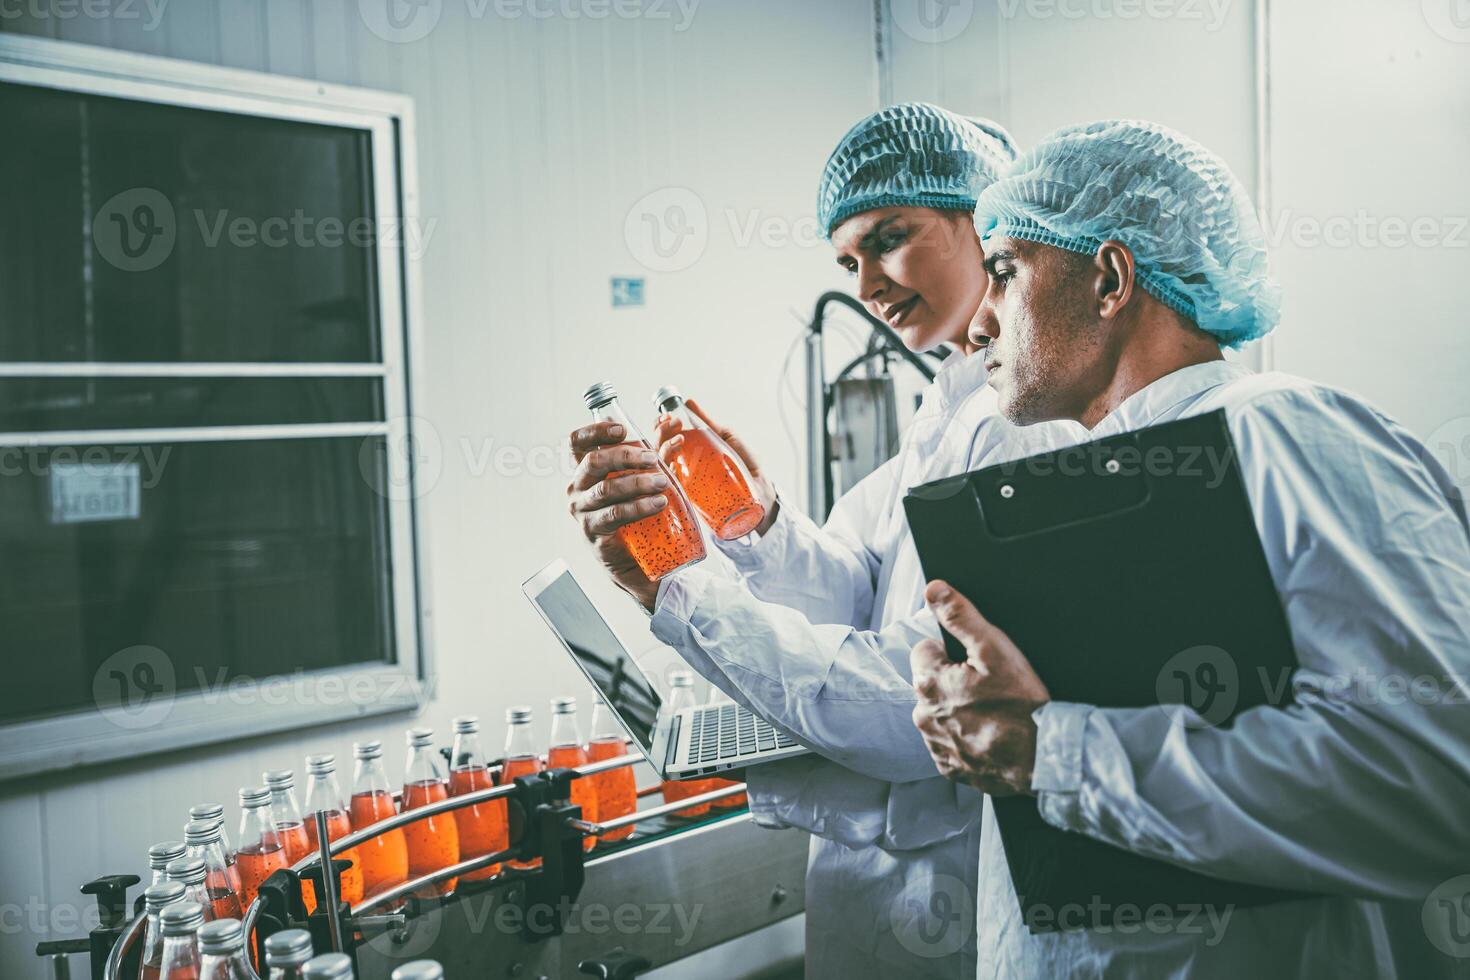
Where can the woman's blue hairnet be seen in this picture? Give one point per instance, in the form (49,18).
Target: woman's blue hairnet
(911,155)
(1198,244)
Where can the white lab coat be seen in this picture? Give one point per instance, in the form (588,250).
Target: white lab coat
(890,880)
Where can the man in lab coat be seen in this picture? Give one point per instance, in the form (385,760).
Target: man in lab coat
(1121,256)
(890,888)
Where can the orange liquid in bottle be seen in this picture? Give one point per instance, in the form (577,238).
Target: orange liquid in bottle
(482,828)
(617,791)
(584,792)
(715,484)
(522,766)
(385,857)
(338,826)
(182,973)
(256,865)
(433,842)
(729,802)
(293,835)
(662,542)
(681,790)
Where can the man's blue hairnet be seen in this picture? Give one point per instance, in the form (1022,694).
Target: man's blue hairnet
(1198,244)
(911,155)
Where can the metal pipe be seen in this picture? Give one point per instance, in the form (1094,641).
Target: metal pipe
(329,881)
(817,478)
(452,871)
(598,829)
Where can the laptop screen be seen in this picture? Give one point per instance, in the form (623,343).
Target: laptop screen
(601,656)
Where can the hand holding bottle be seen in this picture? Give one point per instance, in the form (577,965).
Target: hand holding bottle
(602,505)
(669,439)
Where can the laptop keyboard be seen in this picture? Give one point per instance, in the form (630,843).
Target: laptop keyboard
(728,731)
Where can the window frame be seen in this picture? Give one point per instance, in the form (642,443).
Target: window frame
(284,702)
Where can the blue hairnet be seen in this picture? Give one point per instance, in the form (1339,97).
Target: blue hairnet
(914,155)
(1197,242)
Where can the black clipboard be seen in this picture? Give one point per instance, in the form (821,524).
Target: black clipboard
(1129,572)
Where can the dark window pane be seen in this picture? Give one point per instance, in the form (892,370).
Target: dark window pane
(234,559)
(178,234)
(54,404)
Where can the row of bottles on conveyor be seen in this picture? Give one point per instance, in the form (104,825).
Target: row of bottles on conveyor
(190,948)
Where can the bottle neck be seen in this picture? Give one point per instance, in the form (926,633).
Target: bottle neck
(518,743)
(284,807)
(681,698)
(613,412)
(603,724)
(467,753)
(422,767)
(676,409)
(324,795)
(228,967)
(213,854)
(369,777)
(257,830)
(285,973)
(180,953)
(564,731)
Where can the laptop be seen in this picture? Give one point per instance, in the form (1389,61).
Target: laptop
(687,744)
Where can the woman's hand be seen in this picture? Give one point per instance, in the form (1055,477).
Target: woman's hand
(667,439)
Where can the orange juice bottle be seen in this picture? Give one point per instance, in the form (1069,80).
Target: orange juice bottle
(290,827)
(661,542)
(324,795)
(156,897)
(617,790)
(216,812)
(718,697)
(568,752)
(717,481)
(680,697)
(520,757)
(433,842)
(202,840)
(482,828)
(180,924)
(385,857)
(262,852)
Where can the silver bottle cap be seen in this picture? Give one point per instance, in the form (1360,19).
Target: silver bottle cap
(221,937)
(252,797)
(160,854)
(289,947)
(155,897)
(563,706)
(201,832)
(681,678)
(207,811)
(519,715)
(663,395)
(321,765)
(181,918)
(420,737)
(419,970)
(328,966)
(190,871)
(466,725)
(279,779)
(367,751)
(599,394)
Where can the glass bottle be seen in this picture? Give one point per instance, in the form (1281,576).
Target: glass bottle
(159,856)
(433,842)
(681,696)
(324,795)
(419,970)
(660,542)
(384,857)
(328,966)
(290,826)
(617,789)
(711,473)
(568,752)
(180,923)
(222,951)
(202,838)
(520,757)
(718,698)
(483,828)
(261,852)
(193,875)
(286,952)
(216,812)
(155,899)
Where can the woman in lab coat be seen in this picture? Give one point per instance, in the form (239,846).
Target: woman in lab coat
(891,876)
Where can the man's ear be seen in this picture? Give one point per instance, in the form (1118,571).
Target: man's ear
(1115,269)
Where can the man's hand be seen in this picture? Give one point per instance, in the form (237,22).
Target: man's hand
(602,506)
(976,716)
(668,439)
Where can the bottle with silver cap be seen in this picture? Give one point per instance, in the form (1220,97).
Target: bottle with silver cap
(328,966)
(384,857)
(180,922)
(714,476)
(160,854)
(286,816)
(215,811)
(261,852)
(568,752)
(286,952)
(155,899)
(668,537)
(202,838)
(681,696)
(192,873)
(482,828)
(222,951)
(433,842)
(419,970)
(521,758)
(617,789)
(324,795)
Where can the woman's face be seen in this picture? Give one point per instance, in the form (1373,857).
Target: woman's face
(917,269)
